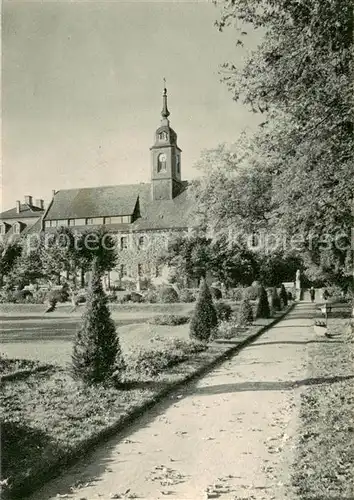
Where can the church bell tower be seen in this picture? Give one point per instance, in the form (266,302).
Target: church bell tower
(165,159)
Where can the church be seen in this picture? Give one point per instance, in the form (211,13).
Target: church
(142,216)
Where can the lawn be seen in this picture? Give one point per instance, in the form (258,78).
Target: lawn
(325,454)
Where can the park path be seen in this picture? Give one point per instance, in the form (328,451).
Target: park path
(232,431)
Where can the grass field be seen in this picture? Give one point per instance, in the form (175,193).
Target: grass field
(325,455)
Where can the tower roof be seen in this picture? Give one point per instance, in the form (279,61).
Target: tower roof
(165,112)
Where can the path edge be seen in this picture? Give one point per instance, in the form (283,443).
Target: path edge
(41,477)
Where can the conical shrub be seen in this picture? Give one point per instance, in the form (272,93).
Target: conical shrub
(263,310)
(283,295)
(245,313)
(204,319)
(275,300)
(97,355)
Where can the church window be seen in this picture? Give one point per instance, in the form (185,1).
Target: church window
(163,136)
(17,228)
(161,162)
(141,241)
(123,242)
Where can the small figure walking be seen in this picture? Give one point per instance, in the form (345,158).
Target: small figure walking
(312,294)
(325,295)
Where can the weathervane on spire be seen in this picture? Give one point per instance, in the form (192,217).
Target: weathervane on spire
(165,112)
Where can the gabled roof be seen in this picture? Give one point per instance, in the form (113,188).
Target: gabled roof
(25,211)
(103,201)
(121,200)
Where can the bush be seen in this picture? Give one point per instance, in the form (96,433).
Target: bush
(126,298)
(61,295)
(216,293)
(97,355)
(188,346)
(167,295)
(22,296)
(283,295)
(225,330)
(236,294)
(263,310)
(151,296)
(245,314)
(152,362)
(204,318)
(251,292)
(186,295)
(168,319)
(136,297)
(223,311)
(275,300)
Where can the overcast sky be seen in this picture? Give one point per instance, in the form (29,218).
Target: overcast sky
(82,86)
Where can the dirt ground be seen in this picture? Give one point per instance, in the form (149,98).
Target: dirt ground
(231,435)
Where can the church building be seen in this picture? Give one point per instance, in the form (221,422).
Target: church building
(142,216)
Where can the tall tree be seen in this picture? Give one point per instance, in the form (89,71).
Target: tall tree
(97,355)
(299,173)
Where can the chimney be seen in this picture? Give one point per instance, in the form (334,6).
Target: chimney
(18,206)
(28,200)
(40,204)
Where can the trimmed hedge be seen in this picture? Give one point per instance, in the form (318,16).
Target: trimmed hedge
(168,319)
(167,295)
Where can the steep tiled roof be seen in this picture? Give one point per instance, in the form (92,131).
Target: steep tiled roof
(25,211)
(94,202)
(121,200)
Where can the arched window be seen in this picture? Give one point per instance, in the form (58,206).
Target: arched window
(161,162)
(163,136)
(141,241)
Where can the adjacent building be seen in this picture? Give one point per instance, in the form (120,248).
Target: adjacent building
(22,219)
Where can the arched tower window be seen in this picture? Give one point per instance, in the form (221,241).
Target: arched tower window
(161,162)
(163,136)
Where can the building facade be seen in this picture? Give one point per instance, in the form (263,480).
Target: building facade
(21,220)
(142,217)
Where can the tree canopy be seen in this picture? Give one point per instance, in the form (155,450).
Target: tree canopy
(294,175)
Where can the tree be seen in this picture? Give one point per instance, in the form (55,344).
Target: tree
(9,253)
(204,318)
(263,310)
(245,314)
(275,300)
(300,79)
(97,355)
(26,269)
(189,255)
(283,295)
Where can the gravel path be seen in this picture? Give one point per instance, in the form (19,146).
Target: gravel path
(228,436)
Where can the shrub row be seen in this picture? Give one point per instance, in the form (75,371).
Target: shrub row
(168,319)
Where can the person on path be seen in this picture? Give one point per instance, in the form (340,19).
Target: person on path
(325,295)
(312,294)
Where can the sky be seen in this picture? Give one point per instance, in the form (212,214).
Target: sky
(82,90)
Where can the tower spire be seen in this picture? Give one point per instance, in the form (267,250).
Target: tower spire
(165,112)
